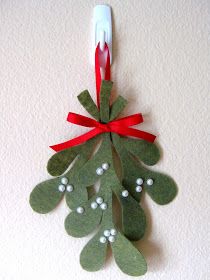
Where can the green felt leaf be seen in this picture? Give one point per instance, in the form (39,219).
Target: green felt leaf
(93,255)
(46,196)
(87,102)
(143,150)
(87,175)
(127,257)
(117,107)
(60,161)
(133,218)
(105,92)
(163,190)
(79,225)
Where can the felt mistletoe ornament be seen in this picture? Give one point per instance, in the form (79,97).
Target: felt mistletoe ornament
(119,166)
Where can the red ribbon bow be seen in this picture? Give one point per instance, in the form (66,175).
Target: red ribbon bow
(119,126)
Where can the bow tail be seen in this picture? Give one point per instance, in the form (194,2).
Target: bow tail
(127,131)
(77,140)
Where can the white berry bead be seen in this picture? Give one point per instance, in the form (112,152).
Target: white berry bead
(113,231)
(99,171)
(94,205)
(125,193)
(139,181)
(105,166)
(102,239)
(99,200)
(138,188)
(61,188)
(64,180)
(103,206)
(107,233)
(149,182)
(69,188)
(80,210)
(111,239)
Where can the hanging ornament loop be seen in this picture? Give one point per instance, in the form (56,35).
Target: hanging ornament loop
(102,62)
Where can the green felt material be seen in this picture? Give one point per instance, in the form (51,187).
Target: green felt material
(117,107)
(106,193)
(60,161)
(79,225)
(127,257)
(93,255)
(105,92)
(87,102)
(79,195)
(143,150)
(163,189)
(130,168)
(133,218)
(87,174)
(45,196)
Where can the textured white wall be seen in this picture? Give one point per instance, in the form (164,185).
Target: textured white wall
(161,57)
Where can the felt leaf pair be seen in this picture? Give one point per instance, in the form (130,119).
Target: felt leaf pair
(46,195)
(163,189)
(127,257)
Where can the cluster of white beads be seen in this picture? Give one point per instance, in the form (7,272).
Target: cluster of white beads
(100,170)
(98,202)
(109,235)
(139,182)
(65,186)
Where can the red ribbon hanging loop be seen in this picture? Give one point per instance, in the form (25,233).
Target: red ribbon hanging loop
(107,74)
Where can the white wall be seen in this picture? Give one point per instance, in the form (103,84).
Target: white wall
(160,66)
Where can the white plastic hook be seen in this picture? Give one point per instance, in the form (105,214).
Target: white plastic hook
(102,28)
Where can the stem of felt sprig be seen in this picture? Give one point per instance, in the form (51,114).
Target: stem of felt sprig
(98,66)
